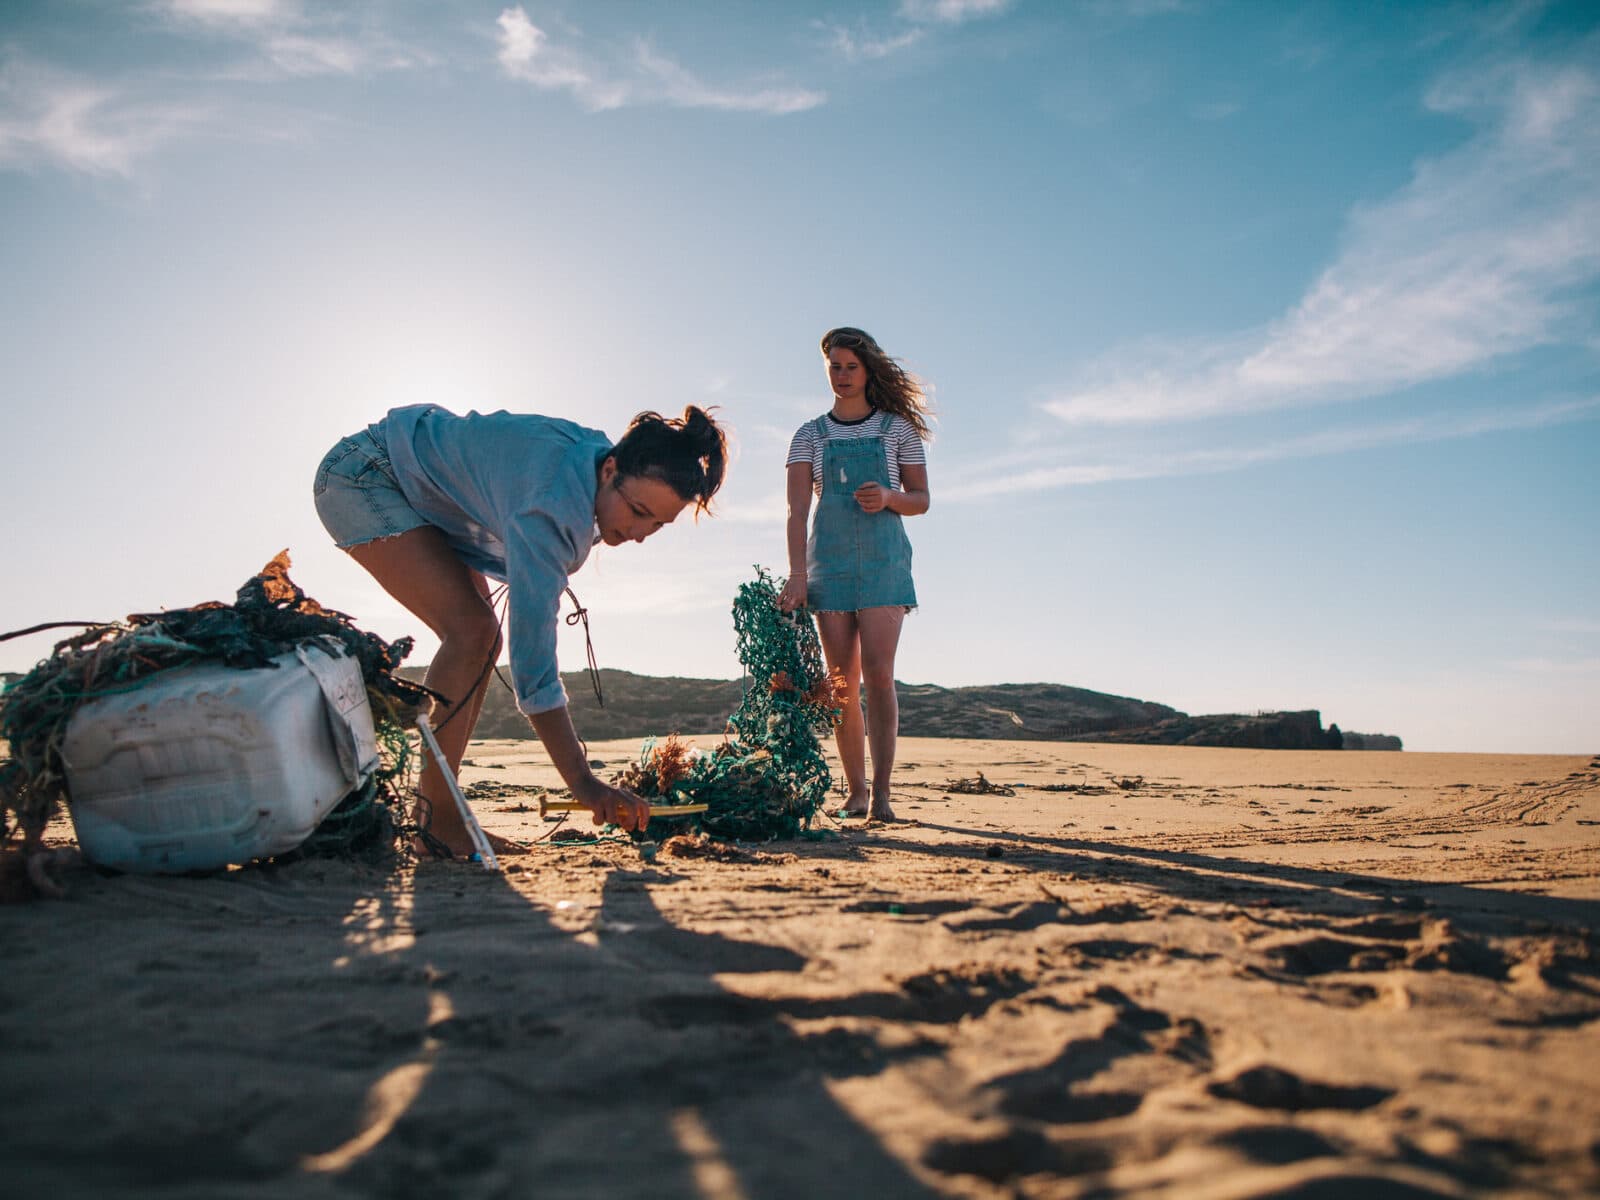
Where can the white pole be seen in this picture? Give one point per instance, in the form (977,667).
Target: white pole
(474,830)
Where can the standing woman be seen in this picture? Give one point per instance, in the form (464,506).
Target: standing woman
(434,505)
(864,462)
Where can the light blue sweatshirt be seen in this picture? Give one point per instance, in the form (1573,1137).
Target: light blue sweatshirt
(514,495)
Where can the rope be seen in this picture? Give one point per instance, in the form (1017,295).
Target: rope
(580,613)
(16,633)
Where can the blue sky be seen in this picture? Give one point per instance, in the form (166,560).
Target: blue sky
(1263,337)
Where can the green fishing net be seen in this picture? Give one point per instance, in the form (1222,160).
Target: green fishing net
(768,777)
(269,616)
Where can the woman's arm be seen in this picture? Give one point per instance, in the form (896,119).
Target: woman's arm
(610,805)
(912,499)
(794,590)
(909,501)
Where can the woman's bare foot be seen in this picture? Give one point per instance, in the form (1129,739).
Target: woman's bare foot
(856,806)
(881,809)
(504,845)
(464,849)
(447,830)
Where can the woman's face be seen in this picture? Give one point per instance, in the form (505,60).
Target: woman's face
(846,375)
(630,510)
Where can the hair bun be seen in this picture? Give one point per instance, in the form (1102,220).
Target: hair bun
(690,453)
(700,429)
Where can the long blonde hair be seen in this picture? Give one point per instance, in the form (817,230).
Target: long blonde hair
(890,387)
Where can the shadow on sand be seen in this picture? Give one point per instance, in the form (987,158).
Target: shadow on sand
(1190,876)
(303,1032)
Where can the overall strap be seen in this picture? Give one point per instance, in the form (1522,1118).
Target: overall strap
(883,425)
(821,424)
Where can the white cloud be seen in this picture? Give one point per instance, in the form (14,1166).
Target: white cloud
(49,116)
(1138,9)
(1017,472)
(1475,259)
(313,56)
(289,39)
(858,46)
(642,76)
(525,54)
(918,18)
(678,87)
(232,12)
(951,12)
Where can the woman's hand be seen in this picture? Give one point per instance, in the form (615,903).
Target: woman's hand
(793,595)
(873,497)
(612,805)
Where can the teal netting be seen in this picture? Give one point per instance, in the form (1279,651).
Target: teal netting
(768,777)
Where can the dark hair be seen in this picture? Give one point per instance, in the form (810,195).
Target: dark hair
(689,454)
(890,387)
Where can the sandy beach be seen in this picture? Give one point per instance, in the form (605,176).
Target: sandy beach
(1145,971)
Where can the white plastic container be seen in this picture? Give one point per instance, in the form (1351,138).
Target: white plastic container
(204,766)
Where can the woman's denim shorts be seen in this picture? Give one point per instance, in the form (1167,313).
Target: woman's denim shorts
(357,495)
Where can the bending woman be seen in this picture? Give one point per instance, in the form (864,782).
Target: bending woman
(435,505)
(864,462)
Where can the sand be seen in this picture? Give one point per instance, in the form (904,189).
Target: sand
(1149,971)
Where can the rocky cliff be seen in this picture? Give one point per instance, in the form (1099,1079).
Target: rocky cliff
(642,705)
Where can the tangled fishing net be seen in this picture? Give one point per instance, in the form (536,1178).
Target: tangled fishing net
(768,777)
(765,780)
(270,615)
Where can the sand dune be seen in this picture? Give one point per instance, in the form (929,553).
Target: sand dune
(1147,971)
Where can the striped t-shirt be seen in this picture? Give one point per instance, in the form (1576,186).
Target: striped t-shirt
(901,444)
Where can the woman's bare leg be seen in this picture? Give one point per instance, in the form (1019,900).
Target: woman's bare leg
(842,648)
(880,638)
(419,569)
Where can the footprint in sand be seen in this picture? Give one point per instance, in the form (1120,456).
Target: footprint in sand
(1011,1154)
(1277,1145)
(1324,955)
(1114,948)
(1275,1088)
(1053,1093)
(948,995)
(1023,917)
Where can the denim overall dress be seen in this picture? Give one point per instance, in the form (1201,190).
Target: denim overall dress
(856,559)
